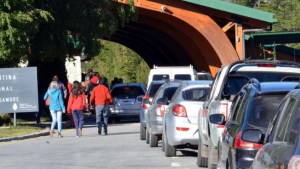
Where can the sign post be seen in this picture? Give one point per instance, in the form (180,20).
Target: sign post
(18,91)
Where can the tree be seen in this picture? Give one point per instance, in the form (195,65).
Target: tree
(19,23)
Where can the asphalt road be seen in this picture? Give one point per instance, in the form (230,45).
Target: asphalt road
(120,149)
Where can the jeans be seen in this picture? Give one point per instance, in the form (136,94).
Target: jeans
(102,116)
(56,118)
(78,119)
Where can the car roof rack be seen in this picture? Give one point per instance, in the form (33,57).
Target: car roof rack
(255,83)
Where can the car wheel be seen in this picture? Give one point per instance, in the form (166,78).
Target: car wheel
(142,132)
(153,140)
(170,151)
(212,156)
(147,136)
(201,161)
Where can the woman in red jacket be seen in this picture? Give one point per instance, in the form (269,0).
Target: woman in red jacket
(77,103)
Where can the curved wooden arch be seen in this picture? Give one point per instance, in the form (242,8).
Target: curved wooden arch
(208,37)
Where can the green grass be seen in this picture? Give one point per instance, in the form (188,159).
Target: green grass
(18,131)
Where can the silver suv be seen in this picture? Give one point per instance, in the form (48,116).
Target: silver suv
(229,80)
(156,112)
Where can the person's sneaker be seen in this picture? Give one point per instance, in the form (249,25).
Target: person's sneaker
(79,132)
(51,133)
(99,130)
(60,136)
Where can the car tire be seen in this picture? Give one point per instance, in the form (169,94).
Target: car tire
(142,132)
(201,161)
(170,151)
(153,140)
(212,156)
(147,136)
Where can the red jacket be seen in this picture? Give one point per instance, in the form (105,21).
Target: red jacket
(76,103)
(100,95)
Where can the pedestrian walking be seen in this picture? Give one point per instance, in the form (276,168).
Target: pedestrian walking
(76,105)
(56,107)
(61,86)
(102,98)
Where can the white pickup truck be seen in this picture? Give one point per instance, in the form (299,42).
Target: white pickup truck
(229,80)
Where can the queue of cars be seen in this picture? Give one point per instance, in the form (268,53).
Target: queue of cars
(247,117)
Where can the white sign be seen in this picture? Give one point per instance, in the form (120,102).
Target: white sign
(18,90)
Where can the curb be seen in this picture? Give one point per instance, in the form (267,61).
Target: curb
(44,132)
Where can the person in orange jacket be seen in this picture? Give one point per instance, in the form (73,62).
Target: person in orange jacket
(77,104)
(102,98)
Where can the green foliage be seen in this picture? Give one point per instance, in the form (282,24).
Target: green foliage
(19,21)
(118,61)
(44,31)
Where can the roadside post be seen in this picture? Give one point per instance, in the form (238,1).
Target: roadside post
(18,91)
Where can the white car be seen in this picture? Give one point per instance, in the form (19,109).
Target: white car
(228,82)
(180,128)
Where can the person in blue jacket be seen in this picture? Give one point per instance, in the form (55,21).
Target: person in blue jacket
(56,106)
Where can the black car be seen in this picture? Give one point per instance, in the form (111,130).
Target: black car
(282,141)
(252,108)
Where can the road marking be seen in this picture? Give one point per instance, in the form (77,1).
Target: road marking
(175,164)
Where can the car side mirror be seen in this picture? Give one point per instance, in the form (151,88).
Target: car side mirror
(163,100)
(139,99)
(217,119)
(253,136)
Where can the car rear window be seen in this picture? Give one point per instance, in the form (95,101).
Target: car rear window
(196,94)
(161,77)
(169,92)
(127,92)
(204,77)
(153,89)
(271,76)
(183,77)
(263,108)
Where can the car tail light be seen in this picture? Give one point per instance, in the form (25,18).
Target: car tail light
(223,109)
(266,65)
(182,128)
(179,110)
(145,106)
(239,143)
(147,96)
(160,110)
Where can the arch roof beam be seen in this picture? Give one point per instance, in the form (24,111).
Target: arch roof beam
(236,9)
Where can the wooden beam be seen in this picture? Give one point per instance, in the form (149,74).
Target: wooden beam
(239,41)
(228,26)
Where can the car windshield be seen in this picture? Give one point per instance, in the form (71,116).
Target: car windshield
(153,89)
(161,77)
(127,92)
(262,109)
(182,77)
(196,94)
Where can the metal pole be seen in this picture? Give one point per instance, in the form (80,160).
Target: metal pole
(15,119)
